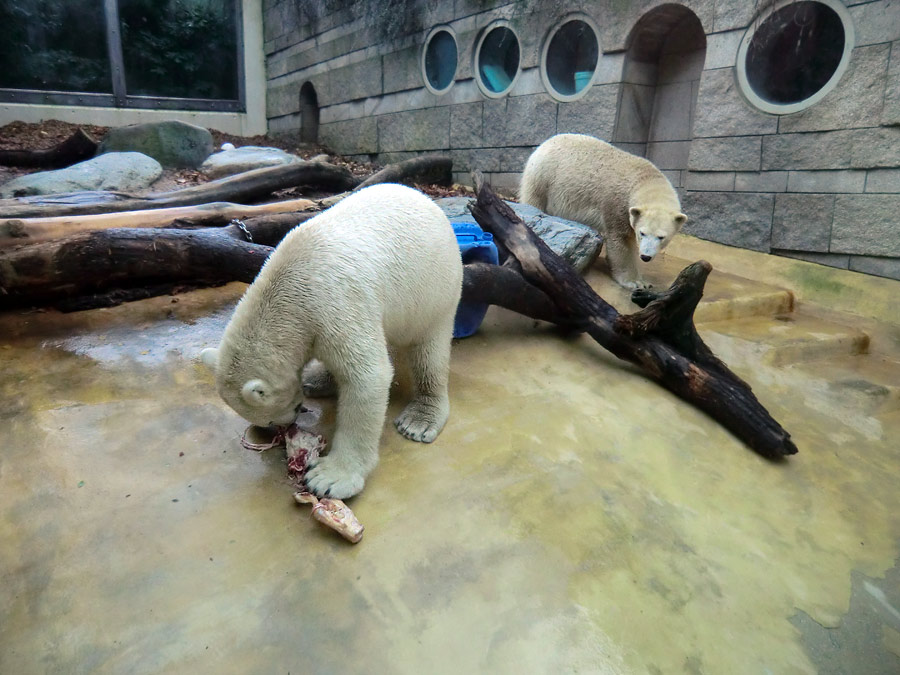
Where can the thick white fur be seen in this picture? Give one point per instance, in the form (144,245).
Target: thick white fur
(624,197)
(380,268)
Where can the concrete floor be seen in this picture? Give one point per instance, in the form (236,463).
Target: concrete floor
(572,517)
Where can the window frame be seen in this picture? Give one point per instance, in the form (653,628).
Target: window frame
(476,59)
(787,108)
(545,49)
(120,98)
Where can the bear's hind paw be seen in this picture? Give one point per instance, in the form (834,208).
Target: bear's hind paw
(422,421)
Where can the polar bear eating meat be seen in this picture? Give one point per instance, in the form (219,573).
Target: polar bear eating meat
(380,269)
(624,197)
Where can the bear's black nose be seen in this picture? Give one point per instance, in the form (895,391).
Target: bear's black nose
(646,258)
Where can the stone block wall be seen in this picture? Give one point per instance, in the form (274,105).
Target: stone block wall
(822,184)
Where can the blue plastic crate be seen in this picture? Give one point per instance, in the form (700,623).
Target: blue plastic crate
(475,245)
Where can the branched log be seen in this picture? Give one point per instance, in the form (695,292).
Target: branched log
(427,169)
(242,188)
(76,148)
(642,340)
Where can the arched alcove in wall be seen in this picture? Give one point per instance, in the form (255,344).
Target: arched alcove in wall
(661,78)
(309,114)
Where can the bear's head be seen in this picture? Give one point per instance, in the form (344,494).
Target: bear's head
(264,397)
(654,228)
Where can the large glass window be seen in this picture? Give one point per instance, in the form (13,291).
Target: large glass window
(440,60)
(497,60)
(570,58)
(53,45)
(127,53)
(795,54)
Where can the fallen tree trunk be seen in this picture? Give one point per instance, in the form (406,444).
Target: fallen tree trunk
(243,187)
(33,230)
(427,169)
(661,339)
(99,269)
(76,148)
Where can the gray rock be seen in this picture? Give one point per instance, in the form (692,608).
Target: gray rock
(866,224)
(173,144)
(577,243)
(123,171)
(594,114)
(826,181)
(353,81)
(742,219)
(877,148)
(881,267)
(837,260)
(856,101)
(802,222)
(890,114)
(825,150)
(733,14)
(247,158)
(531,120)
(722,111)
(465,125)
(401,70)
(740,153)
(427,129)
(876,22)
(883,180)
(350,136)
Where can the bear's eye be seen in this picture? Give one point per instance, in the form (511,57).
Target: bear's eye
(642,233)
(660,238)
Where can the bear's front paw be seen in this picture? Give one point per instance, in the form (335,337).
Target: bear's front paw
(634,285)
(422,420)
(329,477)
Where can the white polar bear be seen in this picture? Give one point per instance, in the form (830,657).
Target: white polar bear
(624,197)
(381,268)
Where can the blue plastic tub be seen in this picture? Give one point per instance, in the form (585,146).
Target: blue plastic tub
(475,245)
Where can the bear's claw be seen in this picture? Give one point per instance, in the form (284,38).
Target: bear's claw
(421,422)
(328,478)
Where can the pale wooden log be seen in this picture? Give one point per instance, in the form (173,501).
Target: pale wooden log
(243,187)
(14,231)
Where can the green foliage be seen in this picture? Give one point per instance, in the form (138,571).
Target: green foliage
(53,45)
(176,48)
(180,48)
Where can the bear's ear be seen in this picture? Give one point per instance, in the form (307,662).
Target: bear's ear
(210,358)
(680,219)
(633,214)
(255,392)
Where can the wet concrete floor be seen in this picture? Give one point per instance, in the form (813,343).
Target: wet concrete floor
(572,517)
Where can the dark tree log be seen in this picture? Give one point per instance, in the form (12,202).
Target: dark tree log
(242,188)
(496,285)
(76,148)
(427,169)
(96,262)
(108,267)
(652,339)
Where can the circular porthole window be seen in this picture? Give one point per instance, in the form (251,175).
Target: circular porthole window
(497,60)
(569,59)
(439,60)
(794,54)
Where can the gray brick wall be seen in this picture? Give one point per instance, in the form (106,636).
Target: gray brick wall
(822,184)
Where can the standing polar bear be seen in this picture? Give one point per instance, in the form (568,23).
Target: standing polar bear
(624,197)
(381,268)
